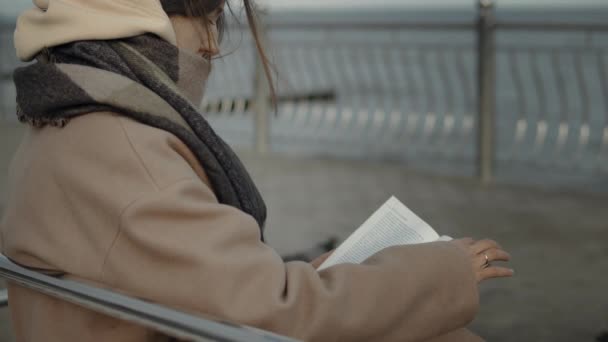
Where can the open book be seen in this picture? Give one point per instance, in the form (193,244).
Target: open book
(391,225)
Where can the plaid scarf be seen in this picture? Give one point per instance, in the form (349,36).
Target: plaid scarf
(146,79)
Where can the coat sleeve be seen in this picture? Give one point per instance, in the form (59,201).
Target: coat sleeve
(179,247)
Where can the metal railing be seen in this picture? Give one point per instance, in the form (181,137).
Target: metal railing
(487,98)
(3,298)
(154,316)
(375,89)
(486,91)
(560,94)
(478,98)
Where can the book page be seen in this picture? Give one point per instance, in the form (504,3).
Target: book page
(391,225)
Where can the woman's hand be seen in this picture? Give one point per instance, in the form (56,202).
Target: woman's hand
(318,261)
(482,253)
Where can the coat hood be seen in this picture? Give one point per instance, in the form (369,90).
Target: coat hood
(55,22)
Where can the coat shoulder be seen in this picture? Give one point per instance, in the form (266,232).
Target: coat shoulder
(76,181)
(114,145)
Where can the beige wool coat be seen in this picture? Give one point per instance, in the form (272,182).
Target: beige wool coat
(118,204)
(126,206)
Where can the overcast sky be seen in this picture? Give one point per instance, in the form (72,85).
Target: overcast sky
(12,7)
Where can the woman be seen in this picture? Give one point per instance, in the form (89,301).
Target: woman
(120,183)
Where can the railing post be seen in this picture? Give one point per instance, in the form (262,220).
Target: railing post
(261,105)
(486,83)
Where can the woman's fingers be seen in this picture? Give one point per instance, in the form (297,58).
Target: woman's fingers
(493,254)
(482,253)
(466,241)
(482,245)
(494,272)
(318,261)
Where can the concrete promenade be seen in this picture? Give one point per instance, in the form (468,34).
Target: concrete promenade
(559,241)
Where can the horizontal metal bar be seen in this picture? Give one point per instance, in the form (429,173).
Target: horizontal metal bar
(406,46)
(551,49)
(230,104)
(368,26)
(171,322)
(421,25)
(550,26)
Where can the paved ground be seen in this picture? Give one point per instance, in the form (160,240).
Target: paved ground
(559,241)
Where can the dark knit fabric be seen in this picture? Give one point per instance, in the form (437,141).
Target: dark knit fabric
(142,78)
(171,7)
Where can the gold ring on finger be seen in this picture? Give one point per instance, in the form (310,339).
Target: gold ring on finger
(487,263)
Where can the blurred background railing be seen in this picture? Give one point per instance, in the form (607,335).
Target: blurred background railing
(552,107)
(506,101)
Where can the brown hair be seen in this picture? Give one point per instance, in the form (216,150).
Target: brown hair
(202,8)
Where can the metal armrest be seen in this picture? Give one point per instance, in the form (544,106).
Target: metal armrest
(3,298)
(157,317)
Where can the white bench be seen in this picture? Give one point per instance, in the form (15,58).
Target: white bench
(157,317)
